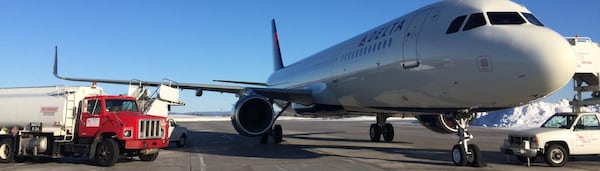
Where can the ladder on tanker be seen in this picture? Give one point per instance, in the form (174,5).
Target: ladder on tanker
(69,119)
(587,73)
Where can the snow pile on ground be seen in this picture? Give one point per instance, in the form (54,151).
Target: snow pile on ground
(526,116)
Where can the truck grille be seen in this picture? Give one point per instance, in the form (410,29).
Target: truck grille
(518,140)
(150,129)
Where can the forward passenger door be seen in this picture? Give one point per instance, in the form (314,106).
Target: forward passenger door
(411,38)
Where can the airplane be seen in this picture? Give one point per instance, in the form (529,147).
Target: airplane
(442,63)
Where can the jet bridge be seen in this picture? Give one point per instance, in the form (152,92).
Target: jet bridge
(587,73)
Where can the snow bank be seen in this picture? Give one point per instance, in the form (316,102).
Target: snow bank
(526,116)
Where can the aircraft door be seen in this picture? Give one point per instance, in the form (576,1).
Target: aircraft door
(411,39)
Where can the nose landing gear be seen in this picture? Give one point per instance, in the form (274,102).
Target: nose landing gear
(464,153)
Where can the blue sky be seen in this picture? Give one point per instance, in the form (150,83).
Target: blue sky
(199,41)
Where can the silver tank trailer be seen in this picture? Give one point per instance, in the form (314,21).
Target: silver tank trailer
(54,107)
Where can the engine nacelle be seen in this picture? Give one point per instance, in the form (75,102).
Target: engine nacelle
(253,115)
(438,123)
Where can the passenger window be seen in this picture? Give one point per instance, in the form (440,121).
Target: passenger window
(455,24)
(588,122)
(475,20)
(504,18)
(532,19)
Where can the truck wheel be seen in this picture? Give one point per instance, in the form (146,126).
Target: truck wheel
(181,141)
(7,154)
(149,157)
(107,152)
(556,155)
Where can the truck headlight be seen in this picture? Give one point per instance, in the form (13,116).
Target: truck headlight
(127,133)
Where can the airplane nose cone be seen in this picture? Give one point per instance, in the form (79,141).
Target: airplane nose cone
(549,61)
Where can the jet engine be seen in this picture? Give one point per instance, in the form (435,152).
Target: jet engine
(253,115)
(440,123)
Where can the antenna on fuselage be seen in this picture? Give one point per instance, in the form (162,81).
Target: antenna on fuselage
(277,60)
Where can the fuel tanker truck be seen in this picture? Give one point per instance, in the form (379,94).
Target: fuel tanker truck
(57,121)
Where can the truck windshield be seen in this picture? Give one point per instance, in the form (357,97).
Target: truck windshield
(121,105)
(560,121)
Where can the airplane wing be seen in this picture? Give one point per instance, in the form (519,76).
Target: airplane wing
(301,96)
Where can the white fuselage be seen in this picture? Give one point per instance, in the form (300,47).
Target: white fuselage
(412,64)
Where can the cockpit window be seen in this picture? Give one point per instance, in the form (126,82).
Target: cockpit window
(532,19)
(475,20)
(455,25)
(505,18)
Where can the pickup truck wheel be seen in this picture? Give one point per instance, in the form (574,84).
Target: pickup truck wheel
(7,154)
(149,157)
(181,141)
(459,156)
(107,152)
(556,155)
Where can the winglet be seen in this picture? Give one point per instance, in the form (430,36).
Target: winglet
(56,63)
(277,60)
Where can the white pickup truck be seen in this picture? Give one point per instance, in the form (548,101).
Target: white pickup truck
(177,133)
(562,136)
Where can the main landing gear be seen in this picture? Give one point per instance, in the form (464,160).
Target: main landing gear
(463,153)
(381,128)
(276,132)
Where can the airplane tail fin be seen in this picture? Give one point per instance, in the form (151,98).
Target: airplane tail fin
(277,60)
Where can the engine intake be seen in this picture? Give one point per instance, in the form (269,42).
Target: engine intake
(440,123)
(253,115)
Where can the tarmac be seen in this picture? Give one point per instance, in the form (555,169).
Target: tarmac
(315,145)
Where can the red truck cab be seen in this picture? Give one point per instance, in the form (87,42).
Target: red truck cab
(119,119)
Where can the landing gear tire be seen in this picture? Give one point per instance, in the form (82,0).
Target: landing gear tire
(277,134)
(388,132)
(459,156)
(264,138)
(7,154)
(464,153)
(474,157)
(556,155)
(107,152)
(375,133)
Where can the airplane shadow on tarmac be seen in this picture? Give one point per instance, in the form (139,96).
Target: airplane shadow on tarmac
(228,144)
